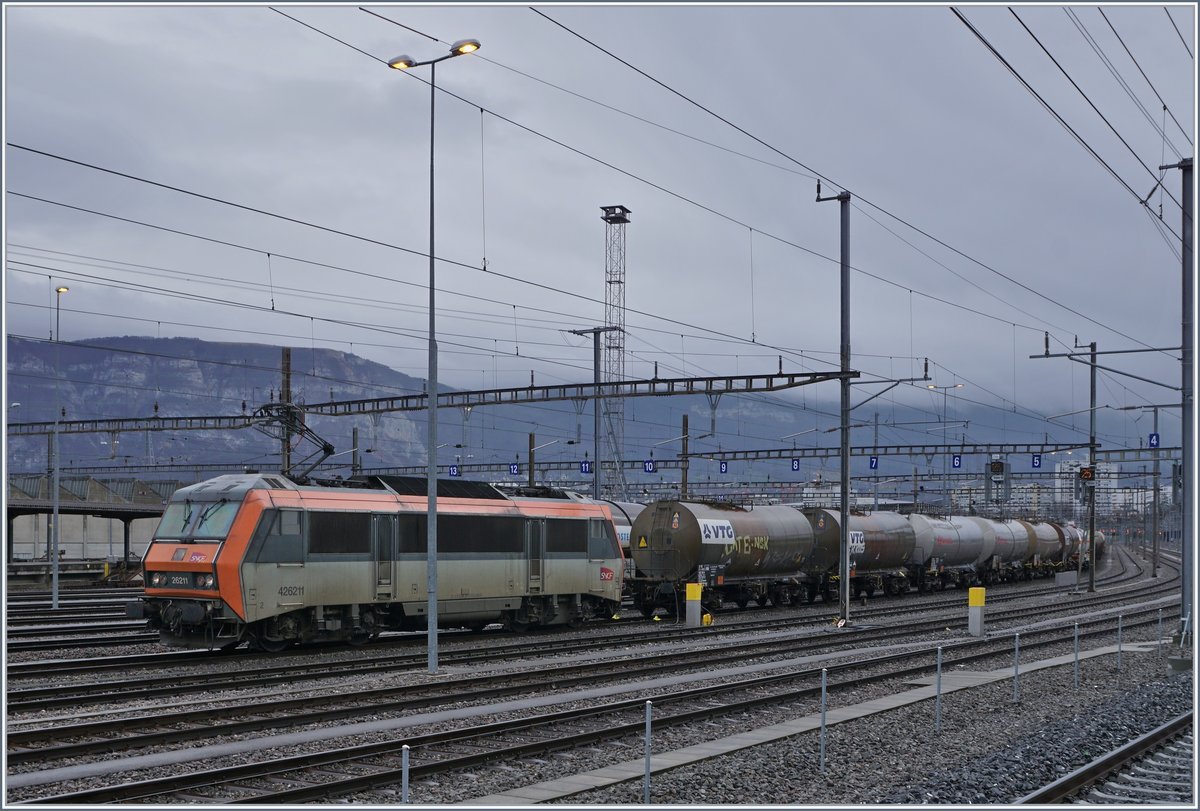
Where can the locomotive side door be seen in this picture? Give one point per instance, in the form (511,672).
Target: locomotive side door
(384,534)
(535,545)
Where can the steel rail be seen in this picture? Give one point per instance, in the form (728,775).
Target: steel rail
(1098,769)
(306,767)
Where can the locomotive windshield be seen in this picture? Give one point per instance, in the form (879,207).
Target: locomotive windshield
(197,520)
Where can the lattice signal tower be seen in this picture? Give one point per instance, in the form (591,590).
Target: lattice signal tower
(615,218)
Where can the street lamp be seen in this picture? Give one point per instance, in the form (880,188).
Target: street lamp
(54,545)
(405,62)
(945,472)
(58,309)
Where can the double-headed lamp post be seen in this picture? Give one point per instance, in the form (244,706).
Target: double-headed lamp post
(54,546)
(405,62)
(945,472)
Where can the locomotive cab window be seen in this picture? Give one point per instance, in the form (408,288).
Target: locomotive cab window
(279,538)
(602,540)
(197,519)
(174,521)
(215,519)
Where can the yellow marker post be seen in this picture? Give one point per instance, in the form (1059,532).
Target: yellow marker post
(975,602)
(694,611)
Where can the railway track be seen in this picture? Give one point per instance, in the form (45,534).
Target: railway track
(141,730)
(29,640)
(208,721)
(1151,770)
(258,670)
(344,771)
(332,773)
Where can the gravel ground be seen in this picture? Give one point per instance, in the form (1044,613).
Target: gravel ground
(990,750)
(970,761)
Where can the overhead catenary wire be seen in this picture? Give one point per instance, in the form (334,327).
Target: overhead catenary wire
(1101,324)
(1176,27)
(694,353)
(1144,76)
(1048,107)
(1091,104)
(997,319)
(860,197)
(1116,74)
(464,265)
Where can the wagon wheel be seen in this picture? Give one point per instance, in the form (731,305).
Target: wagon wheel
(268,645)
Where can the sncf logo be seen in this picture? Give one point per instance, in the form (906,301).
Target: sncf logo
(606,573)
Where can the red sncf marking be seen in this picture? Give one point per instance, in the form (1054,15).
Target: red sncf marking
(606,573)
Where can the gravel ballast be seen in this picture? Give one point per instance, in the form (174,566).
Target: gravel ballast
(990,751)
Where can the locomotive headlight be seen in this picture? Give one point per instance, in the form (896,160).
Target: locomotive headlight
(205,581)
(157,579)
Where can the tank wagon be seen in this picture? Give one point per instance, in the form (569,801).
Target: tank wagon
(783,553)
(623,513)
(261,559)
(881,547)
(741,553)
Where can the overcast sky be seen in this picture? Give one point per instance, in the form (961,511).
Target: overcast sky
(730,262)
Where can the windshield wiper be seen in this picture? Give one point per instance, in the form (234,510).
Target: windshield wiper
(208,511)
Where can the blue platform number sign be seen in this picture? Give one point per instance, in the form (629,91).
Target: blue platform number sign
(585,466)
(1154,443)
(514,469)
(454,471)
(724,466)
(649,466)
(795,465)
(874,463)
(956,461)
(1037,460)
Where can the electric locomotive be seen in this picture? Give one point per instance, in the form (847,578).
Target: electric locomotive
(261,559)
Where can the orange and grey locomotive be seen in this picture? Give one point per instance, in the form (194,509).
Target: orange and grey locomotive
(261,559)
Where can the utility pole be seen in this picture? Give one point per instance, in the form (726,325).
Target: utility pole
(843,199)
(595,333)
(285,397)
(876,507)
(1187,534)
(683,478)
(1091,527)
(1154,507)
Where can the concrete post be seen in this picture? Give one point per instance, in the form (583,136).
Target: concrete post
(694,610)
(975,604)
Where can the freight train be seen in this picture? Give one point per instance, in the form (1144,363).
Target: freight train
(258,558)
(784,554)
